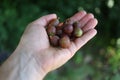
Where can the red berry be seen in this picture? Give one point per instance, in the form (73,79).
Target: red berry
(77,24)
(59,26)
(54,40)
(59,32)
(68,28)
(51,30)
(64,42)
(54,22)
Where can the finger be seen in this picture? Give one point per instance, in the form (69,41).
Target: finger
(78,16)
(90,25)
(43,21)
(85,19)
(85,38)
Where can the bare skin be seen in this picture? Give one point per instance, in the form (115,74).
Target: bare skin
(34,57)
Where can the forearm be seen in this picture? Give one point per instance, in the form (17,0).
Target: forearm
(20,66)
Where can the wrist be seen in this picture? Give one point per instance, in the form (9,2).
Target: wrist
(21,65)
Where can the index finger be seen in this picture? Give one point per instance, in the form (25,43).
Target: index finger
(78,16)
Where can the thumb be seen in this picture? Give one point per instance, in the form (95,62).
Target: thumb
(43,21)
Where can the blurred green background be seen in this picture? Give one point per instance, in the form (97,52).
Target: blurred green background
(99,59)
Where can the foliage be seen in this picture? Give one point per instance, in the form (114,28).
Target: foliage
(98,60)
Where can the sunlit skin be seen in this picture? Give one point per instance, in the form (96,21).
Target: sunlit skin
(34,57)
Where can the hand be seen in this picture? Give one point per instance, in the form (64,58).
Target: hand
(35,50)
(35,40)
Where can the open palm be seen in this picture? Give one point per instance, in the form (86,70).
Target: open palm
(35,40)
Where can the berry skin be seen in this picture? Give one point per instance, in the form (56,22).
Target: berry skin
(64,42)
(78,32)
(77,24)
(68,28)
(54,22)
(59,32)
(54,40)
(51,30)
(59,26)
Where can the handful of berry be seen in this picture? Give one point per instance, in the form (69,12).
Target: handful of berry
(61,34)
